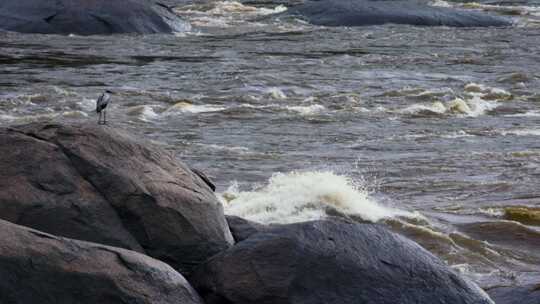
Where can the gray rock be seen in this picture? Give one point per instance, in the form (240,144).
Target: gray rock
(242,229)
(516,295)
(374,12)
(87,17)
(330,261)
(36,267)
(100,184)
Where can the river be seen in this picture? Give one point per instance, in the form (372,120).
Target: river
(433,131)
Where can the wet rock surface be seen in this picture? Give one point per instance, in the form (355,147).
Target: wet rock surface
(36,267)
(102,185)
(330,261)
(86,17)
(520,295)
(374,12)
(242,229)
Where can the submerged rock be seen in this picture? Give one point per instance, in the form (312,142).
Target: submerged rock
(330,261)
(36,267)
(102,185)
(374,12)
(88,17)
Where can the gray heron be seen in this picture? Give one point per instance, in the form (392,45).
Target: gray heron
(101,104)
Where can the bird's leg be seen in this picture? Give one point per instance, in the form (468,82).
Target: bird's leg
(99,119)
(104,117)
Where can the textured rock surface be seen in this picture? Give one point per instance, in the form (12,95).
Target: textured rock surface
(241,228)
(373,12)
(330,262)
(36,267)
(516,295)
(87,17)
(99,184)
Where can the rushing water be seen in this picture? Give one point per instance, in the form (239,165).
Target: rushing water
(431,131)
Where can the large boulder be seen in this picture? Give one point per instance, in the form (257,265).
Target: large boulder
(88,17)
(242,229)
(330,261)
(36,267)
(374,12)
(99,184)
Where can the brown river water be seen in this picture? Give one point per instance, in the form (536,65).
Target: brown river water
(434,132)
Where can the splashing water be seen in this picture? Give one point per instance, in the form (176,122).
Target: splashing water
(302,196)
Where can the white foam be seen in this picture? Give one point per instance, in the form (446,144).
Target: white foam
(276,93)
(480,106)
(185,107)
(5,117)
(472,107)
(440,3)
(143,112)
(303,196)
(235,149)
(224,14)
(458,134)
(436,108)
(74,114)
(64,92)
(513,10)
(526,114)
(521,132)
(307,110)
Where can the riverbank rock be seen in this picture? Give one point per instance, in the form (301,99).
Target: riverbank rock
(330,261)
(242,229)
(99,184)
(516,295)
(375,12)
(88,17)
(36,267)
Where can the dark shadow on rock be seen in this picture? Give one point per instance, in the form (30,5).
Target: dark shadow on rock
(36,267)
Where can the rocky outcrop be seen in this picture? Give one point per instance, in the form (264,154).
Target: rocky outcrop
(99,184)
(374,12)
(330,261)
(242,229)
(36,267)
(88,17)
(516,295)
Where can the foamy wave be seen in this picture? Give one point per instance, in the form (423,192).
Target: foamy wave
(526,114)
(511,10)
(521,132)
(186,107)
(440,3)
(225,14)
(234,149)
(434,108)
(276,93)
(143,112)
(307,110)
(472,107)
(487,93)
(7,118)
(457,134)
(74,114)
(296,197)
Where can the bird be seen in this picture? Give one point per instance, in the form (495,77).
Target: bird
(101,104)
